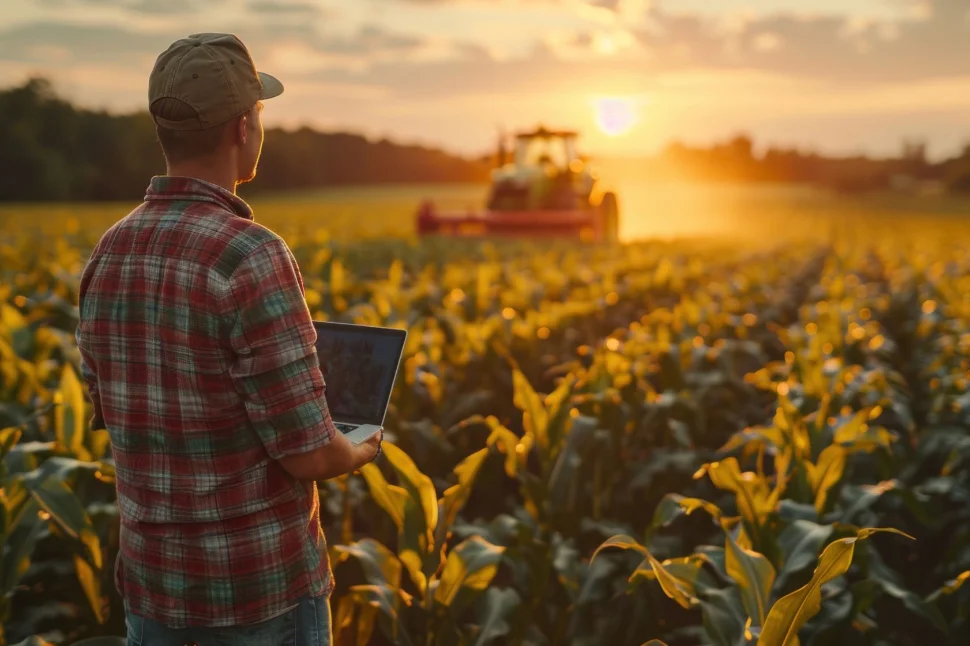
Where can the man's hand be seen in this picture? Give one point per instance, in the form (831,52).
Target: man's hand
(370,448)
(337,457)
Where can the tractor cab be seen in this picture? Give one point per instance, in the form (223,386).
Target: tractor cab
(545,173)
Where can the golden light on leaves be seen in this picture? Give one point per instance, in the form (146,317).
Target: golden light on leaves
(929,306)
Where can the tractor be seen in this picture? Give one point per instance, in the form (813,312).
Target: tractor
(546,190)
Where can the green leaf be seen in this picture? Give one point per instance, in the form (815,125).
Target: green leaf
(455,497)
(386,600)
(472,564)
(754,575)
(19,546)
(380,565)
(565,479)
(496,608)
(791,612)
(723,615)
(800,544)
(61,503)
(535,418)
(390,498)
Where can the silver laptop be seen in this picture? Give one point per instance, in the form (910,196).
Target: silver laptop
(360,365)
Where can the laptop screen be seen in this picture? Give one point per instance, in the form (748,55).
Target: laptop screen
(359,365)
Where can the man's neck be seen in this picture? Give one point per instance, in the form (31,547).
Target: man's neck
(205,172)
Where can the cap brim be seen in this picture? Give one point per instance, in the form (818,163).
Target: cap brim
(271,86)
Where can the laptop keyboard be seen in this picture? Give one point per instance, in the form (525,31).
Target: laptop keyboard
(345,428)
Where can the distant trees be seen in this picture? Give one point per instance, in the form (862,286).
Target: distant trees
(52,150)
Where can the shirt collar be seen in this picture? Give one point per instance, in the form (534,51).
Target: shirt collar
(166,187)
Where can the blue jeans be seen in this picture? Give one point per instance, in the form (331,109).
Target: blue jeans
(306,625)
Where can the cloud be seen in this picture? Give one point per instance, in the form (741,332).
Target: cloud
(284,7)
(167,7)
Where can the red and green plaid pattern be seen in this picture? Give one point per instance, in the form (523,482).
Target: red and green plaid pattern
(199,353)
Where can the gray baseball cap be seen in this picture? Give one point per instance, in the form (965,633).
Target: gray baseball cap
(213,74)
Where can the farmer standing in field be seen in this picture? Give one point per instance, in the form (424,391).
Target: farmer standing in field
(198,350)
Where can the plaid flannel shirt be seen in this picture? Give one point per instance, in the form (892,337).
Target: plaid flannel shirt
(199,354)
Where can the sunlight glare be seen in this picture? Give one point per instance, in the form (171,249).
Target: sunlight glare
(615,115)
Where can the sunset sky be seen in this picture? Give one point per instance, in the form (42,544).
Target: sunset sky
(836,75)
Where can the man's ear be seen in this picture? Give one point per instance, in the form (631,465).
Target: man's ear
(242,129)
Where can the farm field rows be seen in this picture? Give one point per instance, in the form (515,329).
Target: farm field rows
(726,440)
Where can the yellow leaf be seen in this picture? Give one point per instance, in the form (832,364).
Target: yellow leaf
(412,562)
(790,613)
(455,497)
(419,487)
(69,420)
(751,490)
(826,474)
(506,441)
(535,418)
(390,498)
(471,564)
(668,583)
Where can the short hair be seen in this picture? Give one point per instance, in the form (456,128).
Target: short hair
(184,145)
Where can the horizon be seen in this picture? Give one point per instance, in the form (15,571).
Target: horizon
(631,76)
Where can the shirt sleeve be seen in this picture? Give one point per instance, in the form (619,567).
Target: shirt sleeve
(90,379)
(275,365)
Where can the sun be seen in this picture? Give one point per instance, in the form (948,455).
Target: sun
(615,115)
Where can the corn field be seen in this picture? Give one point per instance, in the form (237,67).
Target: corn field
(694,442)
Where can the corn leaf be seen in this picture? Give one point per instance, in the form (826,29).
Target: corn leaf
(21,537)
(800,543)
(673,505)
(380,565)
(750,489)
(950,586)
(69,419)
(90,581)
(506,442)
(8,439)
(456,496)
(496,609)
(754,575)
(472,564)
(387,602)
(60,502)
(390,498)
(826,474)
(790,613)
(671,586)
(535,418)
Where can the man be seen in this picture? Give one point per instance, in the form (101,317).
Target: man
(199,354)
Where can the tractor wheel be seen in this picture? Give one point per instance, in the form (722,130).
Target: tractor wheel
(610,214)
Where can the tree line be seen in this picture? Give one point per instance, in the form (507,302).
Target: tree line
(52,150)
